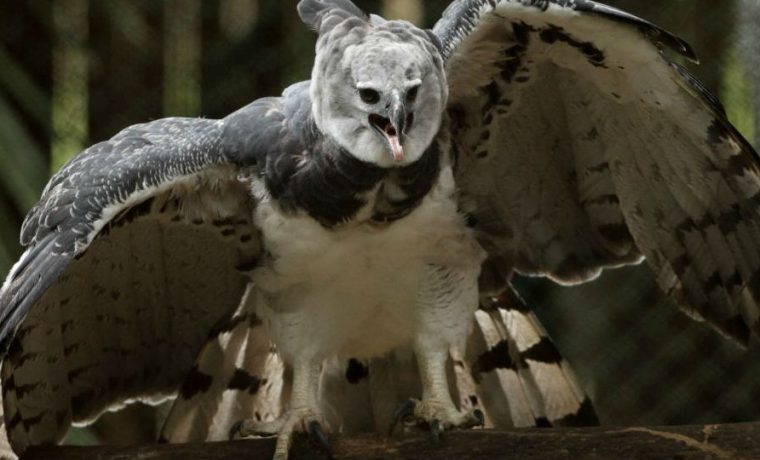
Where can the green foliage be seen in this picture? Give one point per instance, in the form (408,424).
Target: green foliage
(737,92)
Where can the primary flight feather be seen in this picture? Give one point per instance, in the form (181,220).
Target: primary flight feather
(372,218)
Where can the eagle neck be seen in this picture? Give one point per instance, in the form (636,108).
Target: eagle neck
(333,186)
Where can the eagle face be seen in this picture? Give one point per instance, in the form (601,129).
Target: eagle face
(382,97)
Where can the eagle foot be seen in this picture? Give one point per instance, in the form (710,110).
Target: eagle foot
(294,421)
(435,416)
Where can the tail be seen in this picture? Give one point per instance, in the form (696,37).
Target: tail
(519,374)
(512,372)
(238,375)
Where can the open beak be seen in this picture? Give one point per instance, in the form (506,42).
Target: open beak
(392,128)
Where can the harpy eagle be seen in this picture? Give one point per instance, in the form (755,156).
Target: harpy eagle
(368,222)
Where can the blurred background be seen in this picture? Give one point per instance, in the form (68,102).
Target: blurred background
(74,72)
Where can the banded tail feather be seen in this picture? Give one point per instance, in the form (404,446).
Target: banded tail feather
(511,371)
(237,375)
(521,376)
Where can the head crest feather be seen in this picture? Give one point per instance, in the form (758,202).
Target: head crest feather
(323,15)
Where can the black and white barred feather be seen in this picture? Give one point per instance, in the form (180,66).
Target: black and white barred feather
(582,145)
(512,372)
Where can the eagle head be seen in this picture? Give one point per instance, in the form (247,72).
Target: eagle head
(378,87)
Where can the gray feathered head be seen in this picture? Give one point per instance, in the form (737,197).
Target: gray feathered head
(378,87)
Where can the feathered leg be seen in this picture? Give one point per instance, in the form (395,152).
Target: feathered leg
(444,316)
(304,414)
(436,410)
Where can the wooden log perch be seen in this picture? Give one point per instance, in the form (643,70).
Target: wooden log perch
(721,442)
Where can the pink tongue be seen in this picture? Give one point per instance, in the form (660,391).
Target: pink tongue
(396,148)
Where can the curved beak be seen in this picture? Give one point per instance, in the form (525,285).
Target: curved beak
(392,128)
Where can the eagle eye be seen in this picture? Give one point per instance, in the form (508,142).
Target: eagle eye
(369,96)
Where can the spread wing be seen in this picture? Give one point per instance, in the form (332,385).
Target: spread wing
(582,145)
(136,250)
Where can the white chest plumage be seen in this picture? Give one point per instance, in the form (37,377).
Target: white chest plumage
(355,290)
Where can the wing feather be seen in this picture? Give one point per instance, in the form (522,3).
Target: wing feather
(601,150)
(132,256)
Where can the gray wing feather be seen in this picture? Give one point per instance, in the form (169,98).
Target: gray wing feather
(610,151)
(135,251)
(462,17)
(71,210)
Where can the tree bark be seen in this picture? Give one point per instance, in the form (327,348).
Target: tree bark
(722,442)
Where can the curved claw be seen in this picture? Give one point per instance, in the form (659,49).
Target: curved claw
(316,432)
(235,430)
(435,431)
(405,410)
(478,414)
